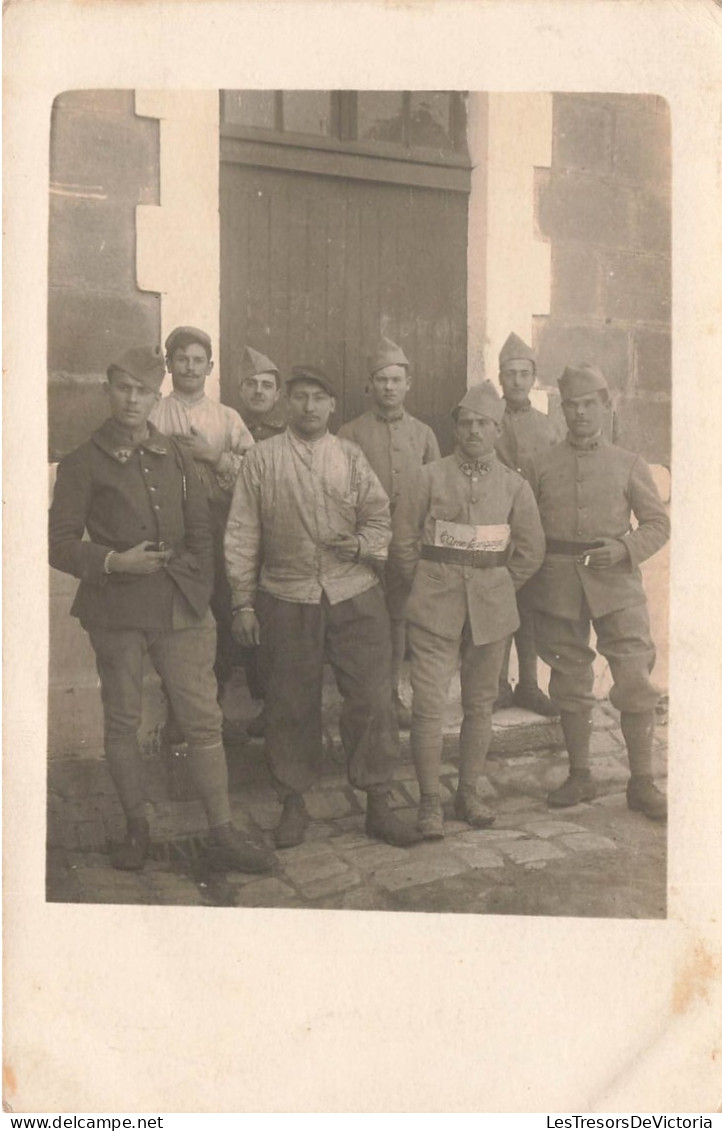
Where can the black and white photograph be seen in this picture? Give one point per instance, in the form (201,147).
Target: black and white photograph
(362,473)
(400,643)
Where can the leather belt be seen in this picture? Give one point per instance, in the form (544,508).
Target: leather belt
(571,549)
(479,559)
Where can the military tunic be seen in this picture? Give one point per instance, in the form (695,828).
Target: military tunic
(123,494)
(587,491)
(457,608)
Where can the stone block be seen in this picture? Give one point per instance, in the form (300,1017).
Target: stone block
(582,134)
(267,893)
(530,851)
(642,150)
(476,856)
(418,872)
(546,829)
(653,361)
(605,742)
(331,885)
(573,206)
(327,804)
(370,857)
(588,842)
(314,868)
(653,223)
(637,288)
(488,836)
(607,346)
(575,282)
(645,426)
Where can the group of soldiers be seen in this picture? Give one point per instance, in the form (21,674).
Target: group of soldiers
(196,530)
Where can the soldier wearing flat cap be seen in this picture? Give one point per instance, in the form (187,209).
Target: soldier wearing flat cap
(308,528)
(216,439)
(587,490)
(396,445)
(259,395)
(466,538)
(146,574)
(525,434)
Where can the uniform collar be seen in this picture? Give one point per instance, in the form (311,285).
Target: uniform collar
(273,419)
(389,419)
(588,444)
(515,410)
(114,441)
(474,466)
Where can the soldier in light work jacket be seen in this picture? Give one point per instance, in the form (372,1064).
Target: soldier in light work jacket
(525,434)
(466,538)
(587,490)
(396,445)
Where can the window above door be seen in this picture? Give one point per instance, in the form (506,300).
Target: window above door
(369,133)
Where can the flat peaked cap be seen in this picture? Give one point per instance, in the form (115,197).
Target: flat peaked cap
(386,353)
(311,373)
(144,363)
(182,336)
(484,400)
(578,380)
(253,363)
(514,349)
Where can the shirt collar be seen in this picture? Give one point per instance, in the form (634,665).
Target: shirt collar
(514,410)
(187,402)
(306,445)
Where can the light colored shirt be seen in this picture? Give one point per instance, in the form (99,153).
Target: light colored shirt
(220,426)
(395,447)
(291,499)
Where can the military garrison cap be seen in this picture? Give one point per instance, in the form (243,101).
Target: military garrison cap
(578,380)
(182,336)
(386,353)
(514,349)
(143,363)
(484,400)
(253,363)
(311,373)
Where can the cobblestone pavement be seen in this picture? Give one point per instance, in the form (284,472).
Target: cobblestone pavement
(595,859)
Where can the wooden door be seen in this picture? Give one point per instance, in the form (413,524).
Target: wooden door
(315,267)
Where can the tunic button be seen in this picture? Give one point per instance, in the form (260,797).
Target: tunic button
(474,499)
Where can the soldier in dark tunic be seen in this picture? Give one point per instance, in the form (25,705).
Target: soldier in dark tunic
(146,577)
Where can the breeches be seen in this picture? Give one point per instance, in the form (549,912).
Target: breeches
(183,659)
(354,637)
(433,662)
(623,638)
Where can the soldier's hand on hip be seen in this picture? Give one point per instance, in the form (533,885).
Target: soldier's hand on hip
(611,553)
(346,547)
(245,628)
(139,559)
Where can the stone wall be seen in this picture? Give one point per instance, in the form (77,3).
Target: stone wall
(103,163)
(605,207)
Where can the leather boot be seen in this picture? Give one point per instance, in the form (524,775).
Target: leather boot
(131,855)
(644,797)
(383,824)
(430,821)
(505,698)
(468,807)
(230,851)
(294,821)
(579,786)
(532,698)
